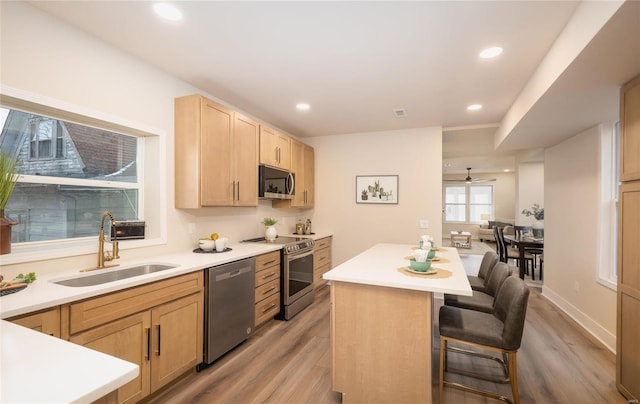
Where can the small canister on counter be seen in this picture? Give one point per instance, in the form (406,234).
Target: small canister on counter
(307,227)
(300,228)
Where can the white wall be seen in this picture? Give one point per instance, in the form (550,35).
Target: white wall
(46,58)
(530,181)
(84,72)
(415,155)
(572,183)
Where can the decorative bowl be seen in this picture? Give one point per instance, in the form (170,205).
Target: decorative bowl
(419,266)
(431,254)
(206,245)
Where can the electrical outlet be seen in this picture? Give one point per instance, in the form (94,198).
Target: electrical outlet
(576,286)
(424,224)
(192,228)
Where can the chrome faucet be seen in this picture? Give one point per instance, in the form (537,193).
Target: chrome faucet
(102,256)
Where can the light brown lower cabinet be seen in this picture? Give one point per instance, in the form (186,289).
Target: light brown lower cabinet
(46,321)
(267,287)
(321,260)
(165,338)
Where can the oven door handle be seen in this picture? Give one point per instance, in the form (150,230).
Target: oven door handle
(292,257)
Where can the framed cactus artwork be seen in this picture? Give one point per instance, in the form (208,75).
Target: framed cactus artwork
(377,189)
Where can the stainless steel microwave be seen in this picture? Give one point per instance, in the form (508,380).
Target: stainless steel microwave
(274,183)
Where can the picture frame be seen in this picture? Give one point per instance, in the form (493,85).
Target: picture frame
(377,189)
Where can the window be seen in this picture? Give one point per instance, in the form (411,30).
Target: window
(69,175)
(47,139)
(467,203)
(609,159)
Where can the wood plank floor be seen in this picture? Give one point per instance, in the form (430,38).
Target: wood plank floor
(289,362)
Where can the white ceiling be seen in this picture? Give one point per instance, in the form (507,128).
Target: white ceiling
(355,62)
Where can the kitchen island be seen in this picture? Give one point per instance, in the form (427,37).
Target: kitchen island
(381,323)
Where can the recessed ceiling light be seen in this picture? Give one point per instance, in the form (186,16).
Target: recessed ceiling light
(167,11)
(491,52)
(506,170)
(474,107)
(302,106)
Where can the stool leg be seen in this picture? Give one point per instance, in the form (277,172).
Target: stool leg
(513,375)
(443,352)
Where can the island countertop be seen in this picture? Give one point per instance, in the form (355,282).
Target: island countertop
(38,368)
(380,266)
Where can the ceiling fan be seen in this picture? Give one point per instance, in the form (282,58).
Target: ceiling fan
(470,180)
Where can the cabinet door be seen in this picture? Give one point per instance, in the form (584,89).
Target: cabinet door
(268,152)
(309,176)
(128,339)
(245,157)
(628,349)
(283,150)
(177,338)
(47,322)
(215,155)
(297,166)
(630,131)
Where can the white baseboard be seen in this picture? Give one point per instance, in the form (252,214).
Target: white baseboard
(601,334)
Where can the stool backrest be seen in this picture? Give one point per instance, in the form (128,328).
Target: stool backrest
(499,273)
(488,262)
(511,308)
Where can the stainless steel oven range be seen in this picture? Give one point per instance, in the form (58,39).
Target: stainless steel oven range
(296,277)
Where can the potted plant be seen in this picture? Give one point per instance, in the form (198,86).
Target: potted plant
(538,217)
(8,179)
(270,233)
(365,196)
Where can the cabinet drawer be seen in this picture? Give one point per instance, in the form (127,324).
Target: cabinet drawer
(266,309)
(46,321)
(318,272)
(321,257)
(266,260)
(100,310)
(267,275)
(323,243)
(268,289)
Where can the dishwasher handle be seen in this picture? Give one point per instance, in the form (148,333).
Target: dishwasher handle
(232,273)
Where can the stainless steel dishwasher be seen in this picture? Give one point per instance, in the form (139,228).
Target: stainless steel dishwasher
(229,307)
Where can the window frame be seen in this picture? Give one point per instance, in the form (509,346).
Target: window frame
(467,204)
(148,138)
(607,268)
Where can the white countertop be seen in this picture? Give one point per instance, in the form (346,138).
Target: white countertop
(38,368)
(379,265)
(43,294)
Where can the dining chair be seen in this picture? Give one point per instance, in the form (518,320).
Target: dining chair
(482,301)
(520,231)
(479,282)
(508,253)
(500,331)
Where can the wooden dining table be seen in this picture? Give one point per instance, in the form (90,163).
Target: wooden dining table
(523,243)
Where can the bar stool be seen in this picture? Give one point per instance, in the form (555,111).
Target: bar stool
(482,301)
(486,266)
(500,331)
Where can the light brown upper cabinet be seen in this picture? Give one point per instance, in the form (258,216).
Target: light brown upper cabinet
(216,155)
(630,131)
(275,148)
(302,165)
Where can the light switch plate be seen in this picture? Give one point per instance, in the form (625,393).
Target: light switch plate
(424,224)
(192,228)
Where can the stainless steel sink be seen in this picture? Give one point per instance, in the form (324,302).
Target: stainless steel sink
(113,275)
